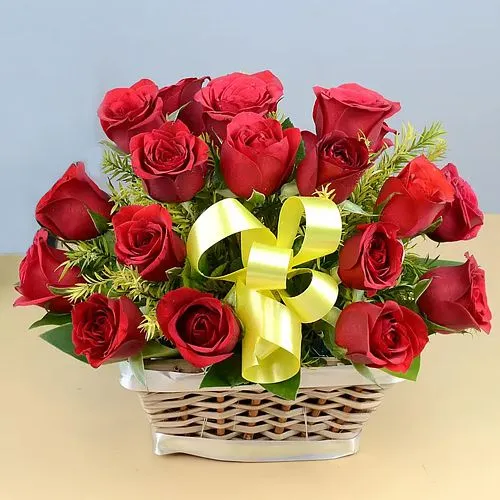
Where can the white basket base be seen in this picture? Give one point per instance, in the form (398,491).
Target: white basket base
(255,451)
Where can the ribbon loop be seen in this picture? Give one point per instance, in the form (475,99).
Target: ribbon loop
(272,329)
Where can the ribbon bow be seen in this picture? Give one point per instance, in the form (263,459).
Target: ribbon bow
(272,318)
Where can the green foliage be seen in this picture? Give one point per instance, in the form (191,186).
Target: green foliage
(91,255)
(287,389)
(51,319)
(227,373)
(136,363)
(60,338)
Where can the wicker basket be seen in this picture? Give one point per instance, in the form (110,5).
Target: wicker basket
(249,424)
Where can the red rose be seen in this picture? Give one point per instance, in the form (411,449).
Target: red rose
(415,198)
(181,95)
(64,209)
(333,159)
(204,329)
(125,112)
(456,297)
(41,269)
(107,329)
(462,218)
(372,259)
(145,239)
(381,335)
(257,154)
(352,109)
(171,161)
(224,97)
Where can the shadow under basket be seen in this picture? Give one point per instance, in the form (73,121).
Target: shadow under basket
(250,424)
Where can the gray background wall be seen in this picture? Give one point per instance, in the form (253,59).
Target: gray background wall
(58,57)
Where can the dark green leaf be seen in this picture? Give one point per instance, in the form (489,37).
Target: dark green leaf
(60,338)
(287,123)
(434,327)
(100,222)
(366,372)
(52,319)
(433,226)
(432,263)
(301,153)
(412,372)
(137,366)
(227,373)
(420,288)
(287,389)
(58,290)
(109,238)
(352,208)
(328,331)
(154,349)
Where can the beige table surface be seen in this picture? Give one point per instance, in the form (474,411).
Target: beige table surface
(70,432)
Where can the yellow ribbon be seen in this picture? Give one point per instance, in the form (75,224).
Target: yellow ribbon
(272,327)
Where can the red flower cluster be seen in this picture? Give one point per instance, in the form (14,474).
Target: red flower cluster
(173,138)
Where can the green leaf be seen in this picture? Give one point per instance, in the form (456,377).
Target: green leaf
(174,115)
(137,366)
(153,349)
(113,147)
(301,153)
(434,327)
(56,290)
(366,372)
(226,193)
(287,389)
(445,263)
(286,123)
(352,208)
(358,295)
(100,222)
(328,331)
(109,238)
(332,316)
(52,319)
(227,373)
(60,338)
(420,288)
(410,374)
(288,190)
(256,200)
(230,298)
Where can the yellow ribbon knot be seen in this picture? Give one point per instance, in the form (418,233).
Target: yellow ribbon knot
(272,318)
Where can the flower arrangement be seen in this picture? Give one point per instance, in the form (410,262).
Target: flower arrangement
(249,248)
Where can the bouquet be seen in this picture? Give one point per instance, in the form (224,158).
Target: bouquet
(249,248)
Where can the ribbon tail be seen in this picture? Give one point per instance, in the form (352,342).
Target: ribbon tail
(272,337)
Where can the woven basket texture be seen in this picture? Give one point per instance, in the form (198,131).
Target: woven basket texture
(326,413)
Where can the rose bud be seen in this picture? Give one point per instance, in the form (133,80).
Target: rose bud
(203,329)
(381,335)
(125,112)
(64,209)
(372,259)
(334,159)
(415,198)
(257,154)
(145,239)
(171,161)
(456,297)
(181,95)
(107,329)
(41,269)
(354,110)
(462,218)
(224,97)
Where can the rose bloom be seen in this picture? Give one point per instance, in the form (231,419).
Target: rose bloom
(64,209)
(181,95)
(128,111)
(41,269)
(372,259)
(354,110)
(107,329)
(334,160)
(203,329)
(415,198)
(462,218)
(381,335)
(257,154)
(145,239)
(456,297)
(171,161)
(224,97)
